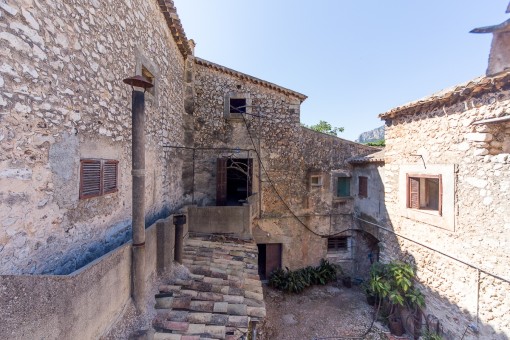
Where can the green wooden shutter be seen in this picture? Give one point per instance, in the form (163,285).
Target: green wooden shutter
(343,188)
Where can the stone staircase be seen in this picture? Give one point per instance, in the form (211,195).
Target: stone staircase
(219,299)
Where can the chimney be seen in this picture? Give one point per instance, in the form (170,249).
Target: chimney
(499,57)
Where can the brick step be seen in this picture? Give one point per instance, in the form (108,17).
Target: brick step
(171,330)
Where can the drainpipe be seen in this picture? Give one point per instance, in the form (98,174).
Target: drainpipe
(138,189)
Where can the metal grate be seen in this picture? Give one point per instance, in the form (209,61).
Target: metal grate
(337,244)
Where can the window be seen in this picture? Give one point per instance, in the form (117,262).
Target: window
(98,177)
(424,192)
(338,244)
(150,78)
(316,180)
(237,105)
(343,187)
(362,186)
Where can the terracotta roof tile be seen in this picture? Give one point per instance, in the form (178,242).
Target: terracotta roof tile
(252,79)
(452,95)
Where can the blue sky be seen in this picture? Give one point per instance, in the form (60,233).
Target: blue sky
(353,59)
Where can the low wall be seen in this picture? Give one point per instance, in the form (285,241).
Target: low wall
(220,220)
(81,305)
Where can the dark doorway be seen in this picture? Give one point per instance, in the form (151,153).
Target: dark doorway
(234,181)
(270,259)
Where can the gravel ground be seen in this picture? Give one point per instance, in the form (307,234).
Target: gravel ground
(331,311)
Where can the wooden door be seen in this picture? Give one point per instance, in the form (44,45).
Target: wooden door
(273,257)
(221,182)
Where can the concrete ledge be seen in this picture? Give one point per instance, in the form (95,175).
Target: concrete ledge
(81,305)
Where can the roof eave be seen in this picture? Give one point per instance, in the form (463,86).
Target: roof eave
(173,22)
(255,80)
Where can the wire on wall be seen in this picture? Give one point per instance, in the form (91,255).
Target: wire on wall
(270,181)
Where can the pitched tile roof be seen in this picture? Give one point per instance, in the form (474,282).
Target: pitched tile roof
(376,157)
(252,79)
(174,24)
(453,95)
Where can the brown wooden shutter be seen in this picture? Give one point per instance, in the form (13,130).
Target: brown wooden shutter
(110,176)
(440,205)
(363,186)
(413,192)
(221,181)
(90,178)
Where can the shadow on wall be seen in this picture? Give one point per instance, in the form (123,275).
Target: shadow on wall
(461,301)
(115,237)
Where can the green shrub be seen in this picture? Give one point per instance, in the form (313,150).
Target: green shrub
(296,281)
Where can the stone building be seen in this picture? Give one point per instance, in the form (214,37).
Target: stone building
(446,192)
(63,104)
(219,144)
(296,179)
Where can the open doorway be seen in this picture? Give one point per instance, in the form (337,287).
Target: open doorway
(270,259)
(234,181)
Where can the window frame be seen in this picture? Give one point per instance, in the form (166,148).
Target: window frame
(236,116)
(319,181)
(103,178)
(410,192)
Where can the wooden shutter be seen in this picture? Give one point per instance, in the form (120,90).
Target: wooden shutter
(413,189)
(363,186)
(110,176)
(90,178)
(221,181)
(440,206)
(343,187)
(337,243)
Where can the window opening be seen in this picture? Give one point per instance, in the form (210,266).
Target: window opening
(234,181)
(343,188)
(150,78)
(237,105)
(424,192)
(316,180)
(338,244)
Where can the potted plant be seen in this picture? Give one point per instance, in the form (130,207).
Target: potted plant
(393,283)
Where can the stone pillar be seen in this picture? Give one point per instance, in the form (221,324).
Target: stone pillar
(179,221)
(166,243)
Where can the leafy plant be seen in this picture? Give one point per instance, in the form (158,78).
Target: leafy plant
(296,281)
(378,143)
(431,336)
(394,284)
(325,127)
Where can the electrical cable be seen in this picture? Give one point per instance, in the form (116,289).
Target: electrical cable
(434,250)
(278,193)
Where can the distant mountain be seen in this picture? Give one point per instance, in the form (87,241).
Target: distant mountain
(372,135)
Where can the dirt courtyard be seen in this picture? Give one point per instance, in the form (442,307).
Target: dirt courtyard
(320,312)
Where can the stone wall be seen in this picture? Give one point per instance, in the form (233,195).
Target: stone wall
(445,136)
(290,154)
(62,99)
